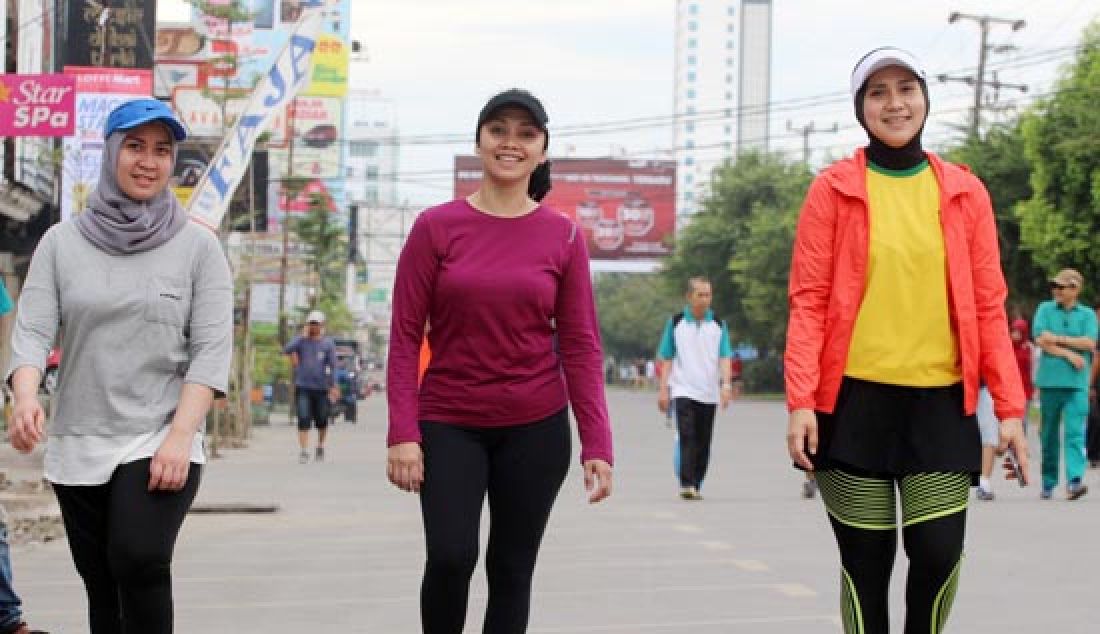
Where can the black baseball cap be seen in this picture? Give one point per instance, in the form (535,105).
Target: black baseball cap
(514,97)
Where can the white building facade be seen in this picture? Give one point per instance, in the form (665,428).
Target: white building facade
(722,68)
(371,159)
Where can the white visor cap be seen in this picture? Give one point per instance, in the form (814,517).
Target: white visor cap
(881,58)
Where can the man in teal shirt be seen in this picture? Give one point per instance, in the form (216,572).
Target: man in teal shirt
(1065,330)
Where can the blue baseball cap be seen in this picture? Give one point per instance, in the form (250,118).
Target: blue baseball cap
(131,114)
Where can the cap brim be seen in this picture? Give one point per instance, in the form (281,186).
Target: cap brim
(531,109)
(178,132)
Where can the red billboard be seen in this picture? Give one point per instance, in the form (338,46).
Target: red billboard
(627,208)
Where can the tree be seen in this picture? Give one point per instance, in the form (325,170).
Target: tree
(326,243)
(741,240)
(1060,221)
(998,159)
(633,309)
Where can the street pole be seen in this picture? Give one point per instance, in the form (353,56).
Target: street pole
(287,188)
(984,23)
(807,130)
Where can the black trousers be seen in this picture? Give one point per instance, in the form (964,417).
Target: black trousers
(1092,437)
(121,537)
(521,470)
(695,424)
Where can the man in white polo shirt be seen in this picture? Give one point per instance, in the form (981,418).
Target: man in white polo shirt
(695,370)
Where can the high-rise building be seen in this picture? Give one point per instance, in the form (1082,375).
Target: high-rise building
(372,150)
(723,50)
(754,88)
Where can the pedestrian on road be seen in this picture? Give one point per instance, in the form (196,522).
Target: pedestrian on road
(1065,331)
(146,300)
(501,277)
(696,375)
(313,357)
(896,312)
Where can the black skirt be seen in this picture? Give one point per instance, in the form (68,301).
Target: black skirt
(891,431)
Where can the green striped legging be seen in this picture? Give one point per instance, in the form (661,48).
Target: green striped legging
(863,514)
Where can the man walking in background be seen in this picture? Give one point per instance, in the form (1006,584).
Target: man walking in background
(695,376)
(1065,330)
(313,357)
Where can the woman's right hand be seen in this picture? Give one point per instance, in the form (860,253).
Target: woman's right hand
(802,437)
(28,423)
(405,466)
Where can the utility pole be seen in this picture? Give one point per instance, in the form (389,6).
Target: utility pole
(806,131)
(978,82)
(289,190)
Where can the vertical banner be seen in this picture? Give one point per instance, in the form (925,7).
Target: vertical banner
(275,90)
(98,91)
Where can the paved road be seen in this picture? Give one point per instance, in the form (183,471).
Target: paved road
(344,552)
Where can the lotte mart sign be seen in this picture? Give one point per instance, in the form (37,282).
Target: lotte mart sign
(36,105)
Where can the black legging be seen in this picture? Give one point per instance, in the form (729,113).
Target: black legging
(521,469)
(862,513)
(121,538)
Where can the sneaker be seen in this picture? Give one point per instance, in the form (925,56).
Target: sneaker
(1046,493)
(303,457)
(320,454)
(1075,491)
(1094,464)
(687,493)
(809,489)
(985,494)
(695,494)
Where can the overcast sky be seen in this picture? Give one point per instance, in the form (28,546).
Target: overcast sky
(603,61)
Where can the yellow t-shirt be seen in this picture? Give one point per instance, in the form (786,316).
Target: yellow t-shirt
(903,333)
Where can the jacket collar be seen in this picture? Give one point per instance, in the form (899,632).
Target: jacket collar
(849,176)
(690,317)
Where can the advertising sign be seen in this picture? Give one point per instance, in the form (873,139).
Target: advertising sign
(317,147)
(36,105)
(98,91)
(97,34)
(282,82)
(627,209)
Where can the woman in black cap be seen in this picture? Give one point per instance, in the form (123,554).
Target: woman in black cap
(504,282)
(896,314)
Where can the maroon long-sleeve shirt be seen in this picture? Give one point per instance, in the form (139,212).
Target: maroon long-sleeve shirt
(494,290)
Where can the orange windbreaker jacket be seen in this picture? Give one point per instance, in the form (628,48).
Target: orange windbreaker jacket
(829,272)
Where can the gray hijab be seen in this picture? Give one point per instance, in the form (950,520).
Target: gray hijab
(120,225)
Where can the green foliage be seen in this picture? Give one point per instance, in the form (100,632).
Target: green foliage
(763,375)
(741,240)
(327,250)
(632,310)
(1059,222)
(998,159)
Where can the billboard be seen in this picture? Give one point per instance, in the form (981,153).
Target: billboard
(98,91)
(627,208)
(98,34)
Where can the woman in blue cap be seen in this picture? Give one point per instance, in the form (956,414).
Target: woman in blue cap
(145,297)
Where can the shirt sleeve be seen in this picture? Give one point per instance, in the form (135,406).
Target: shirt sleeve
(417,269)
(330,359)
(725,350)
(211,323)
(292,346)
(666,350)
(1090,325)
(39,312)
(582,353)
(1039,321)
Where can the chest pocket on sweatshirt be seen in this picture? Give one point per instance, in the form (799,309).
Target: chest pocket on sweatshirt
(167,301)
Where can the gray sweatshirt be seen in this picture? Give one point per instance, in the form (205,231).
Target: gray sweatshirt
(134,328)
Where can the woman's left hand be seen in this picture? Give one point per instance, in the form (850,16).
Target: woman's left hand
(171,463)
(1013,437)
(597,480)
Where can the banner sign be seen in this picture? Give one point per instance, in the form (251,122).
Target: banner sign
(98,91)
(98,34)
(275,90)
(626,208)
(36,105)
